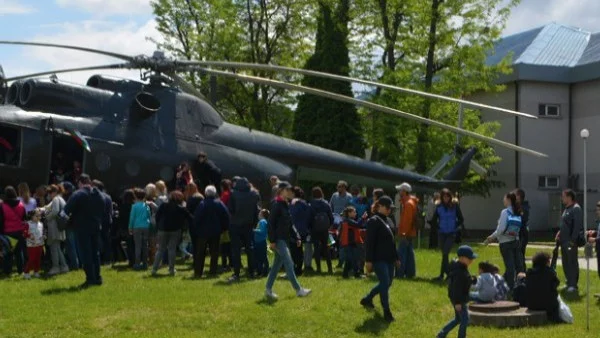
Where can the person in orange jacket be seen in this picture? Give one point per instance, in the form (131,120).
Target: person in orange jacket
(406,232)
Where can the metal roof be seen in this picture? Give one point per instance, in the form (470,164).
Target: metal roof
(554,53)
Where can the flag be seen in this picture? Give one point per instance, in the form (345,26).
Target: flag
(80,139)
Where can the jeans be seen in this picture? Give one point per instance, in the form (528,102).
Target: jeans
(385,274)
(297,257)
(282,257)
(460,317)
(446,241)
(260,257)
(90,256)
(226,259)
(105,249)
(56,255)
(351,262)
(308,255)
(73,252)
(19,251)
(140,238)
(167,242)
(511,254)
(406,253)
(433,236)
(570,264)
(524,238)
(242,235)
(200,255)
(320,242)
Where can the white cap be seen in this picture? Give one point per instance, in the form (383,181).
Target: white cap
(404,187)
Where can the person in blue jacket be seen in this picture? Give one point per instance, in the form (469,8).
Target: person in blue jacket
(449,218)
(301,216)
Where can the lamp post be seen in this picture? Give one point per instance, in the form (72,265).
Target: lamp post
(585,134)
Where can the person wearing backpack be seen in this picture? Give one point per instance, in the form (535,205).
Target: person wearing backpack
(407,231)
(507,234)
(449,218)
(570,237)
(319,228)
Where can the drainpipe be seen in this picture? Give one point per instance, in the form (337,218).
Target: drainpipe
(569,138)
(517,104)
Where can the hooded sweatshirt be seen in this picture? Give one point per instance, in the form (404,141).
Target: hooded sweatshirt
(486,287)
(459,283)
(243,204)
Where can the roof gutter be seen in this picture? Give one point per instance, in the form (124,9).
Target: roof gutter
(569,138)
(517,106)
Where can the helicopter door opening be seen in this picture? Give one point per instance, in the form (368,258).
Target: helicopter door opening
(10,146)
(66,159)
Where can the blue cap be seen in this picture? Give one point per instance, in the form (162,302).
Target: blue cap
(466,251)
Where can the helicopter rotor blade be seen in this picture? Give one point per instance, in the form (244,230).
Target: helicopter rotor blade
(83,49)
(370,105)
(68,70)
(258,66)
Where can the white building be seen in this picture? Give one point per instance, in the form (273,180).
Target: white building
(557,78)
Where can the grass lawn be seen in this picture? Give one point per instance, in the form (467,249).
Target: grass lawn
(132,304)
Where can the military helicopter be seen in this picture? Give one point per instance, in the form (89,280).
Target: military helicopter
(128,133)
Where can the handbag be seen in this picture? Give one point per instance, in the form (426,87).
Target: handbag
(564,312)
(63,221)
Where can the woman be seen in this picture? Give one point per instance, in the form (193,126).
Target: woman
(25,197)
(139,228)
(507,234)
(55,235)
(226,254)
(301,216)
(280,227)
(322,218)
(72,247)
(193,198)
(151,196)
(381,256)
(449,218)
(170,218)
(12,224)
(40,195)
(161,191)
(183,176)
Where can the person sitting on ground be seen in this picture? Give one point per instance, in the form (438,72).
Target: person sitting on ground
(519,293)
(542,287)
(501,286)
(485,290)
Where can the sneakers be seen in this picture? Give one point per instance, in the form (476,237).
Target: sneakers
(26,276)
(173,273)
(64,269)
(36,275)
(270,294)
(302,292)
(367,304)
(234,279)
(53,271)
(571,289)
(387,315)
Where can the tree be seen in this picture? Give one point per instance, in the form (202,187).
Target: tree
(444,50)
(325,122)
(259,31)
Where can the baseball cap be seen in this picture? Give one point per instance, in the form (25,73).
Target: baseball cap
(386,201)
(466,251)
(284,185)
(404,187)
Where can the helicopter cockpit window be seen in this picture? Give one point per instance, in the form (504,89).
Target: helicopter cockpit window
(10,146)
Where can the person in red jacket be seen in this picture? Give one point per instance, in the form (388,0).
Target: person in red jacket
(12,224)
(350,238)
(226,257)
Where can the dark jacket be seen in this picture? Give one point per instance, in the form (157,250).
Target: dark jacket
(107,220)
(172,217)
(280,221)
(207,173)
(301,215)
(210,219)
(571,225)
(459,283)
(380,245)
(542,289)
(320,206)
(243,204)
(87,209)
(193,202)
(123,220)
(525,213)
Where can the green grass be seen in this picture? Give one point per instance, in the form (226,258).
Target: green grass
(132,304)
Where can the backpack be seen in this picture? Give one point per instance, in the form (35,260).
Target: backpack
(513,224)
(321,222)
(419,218)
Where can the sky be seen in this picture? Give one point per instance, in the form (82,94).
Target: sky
(124,26)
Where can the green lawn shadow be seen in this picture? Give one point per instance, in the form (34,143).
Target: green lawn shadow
(374,325)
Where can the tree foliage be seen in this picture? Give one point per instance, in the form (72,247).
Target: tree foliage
(320,121)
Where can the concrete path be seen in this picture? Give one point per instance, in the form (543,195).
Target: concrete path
(582,260)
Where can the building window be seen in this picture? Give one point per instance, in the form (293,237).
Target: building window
(549,110)
(10,146)
(549,182)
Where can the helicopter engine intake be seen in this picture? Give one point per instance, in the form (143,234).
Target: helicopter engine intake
(12,95)
(56,96)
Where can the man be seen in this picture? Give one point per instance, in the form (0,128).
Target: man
(243,207)
(340,199)
(593,236)
(406,232)
(274,181)
(87,208)
(107,221)
(570,227)
(524,233)
(206,172)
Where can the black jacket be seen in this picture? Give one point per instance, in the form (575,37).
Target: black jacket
(172,217)
(280,221)
(87,208)
(542,285)
(380,245)
(211,218)
(207,173)
(193,202)
(459,283)
(317,207)
(243,204)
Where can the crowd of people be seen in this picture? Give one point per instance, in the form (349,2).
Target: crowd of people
(207,215)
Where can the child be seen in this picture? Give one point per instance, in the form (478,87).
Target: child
(139,227)
(501,286)
(458,291)
(34,234)
(485,290)
(260,244)
(349,240)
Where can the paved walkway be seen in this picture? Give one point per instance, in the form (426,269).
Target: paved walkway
(582,261)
